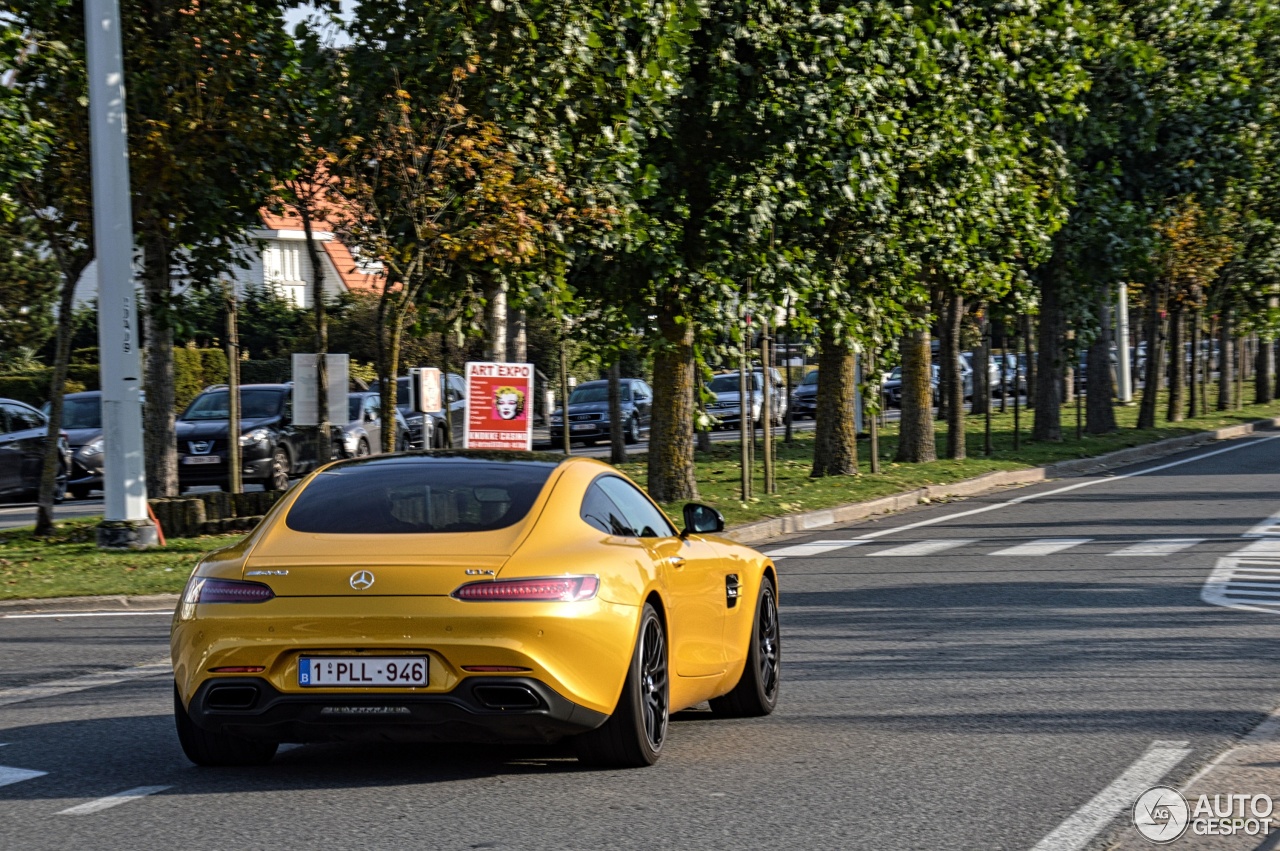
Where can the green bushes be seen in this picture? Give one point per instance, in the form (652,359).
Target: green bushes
(195,369)
(32,386)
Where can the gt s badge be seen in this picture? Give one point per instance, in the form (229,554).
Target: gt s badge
(478,572)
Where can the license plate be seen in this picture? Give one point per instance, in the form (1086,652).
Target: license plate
(202,459)
(365,671)
(582,427)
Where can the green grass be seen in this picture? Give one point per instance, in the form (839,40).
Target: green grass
(70,564)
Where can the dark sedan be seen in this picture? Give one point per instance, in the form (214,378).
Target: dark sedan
(804,399)
(82,422)
(22,440)
(589,412)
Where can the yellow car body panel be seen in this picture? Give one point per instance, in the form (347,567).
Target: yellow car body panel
(581,650)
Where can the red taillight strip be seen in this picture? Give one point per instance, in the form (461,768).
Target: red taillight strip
(205,590)
(238,669)
(541,589)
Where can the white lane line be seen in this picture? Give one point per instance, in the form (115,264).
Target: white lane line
(1084,824)
(168,613)
(112,801)
(17,775)
(924,548)
(813,548)
(54,688)
(1158,548)
(1085,484)
(1042,547)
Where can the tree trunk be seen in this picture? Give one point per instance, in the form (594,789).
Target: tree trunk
(1031,370)
(57,389)
(617,440)
(496,320)
(1226,362)
(953,390)
(392,304)
(1194,382)
(835,443)
(1264,368)
(916,443)
(324,450)
(671,476)
(1100,412)
(1048,419)
(160,440)
(1177,367)
(518,336)
(982,366)
(1154,372)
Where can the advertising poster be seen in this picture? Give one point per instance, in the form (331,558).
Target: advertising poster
(499,406)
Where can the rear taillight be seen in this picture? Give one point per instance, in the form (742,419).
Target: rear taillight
(546,589)
(205,590)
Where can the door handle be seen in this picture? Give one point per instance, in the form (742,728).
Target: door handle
(676,561)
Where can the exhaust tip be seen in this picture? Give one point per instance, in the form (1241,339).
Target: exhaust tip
(507,697)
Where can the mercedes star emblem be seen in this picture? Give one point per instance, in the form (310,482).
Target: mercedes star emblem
(361,580)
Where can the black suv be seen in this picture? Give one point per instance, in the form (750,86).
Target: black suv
(22,440)
(271,447)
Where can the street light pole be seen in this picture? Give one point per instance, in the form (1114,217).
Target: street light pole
(125,523)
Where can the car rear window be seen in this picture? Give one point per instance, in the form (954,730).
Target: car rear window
(417,496)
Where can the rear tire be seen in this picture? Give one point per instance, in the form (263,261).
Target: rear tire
(635,732)
(631,435)
(79,491)
(217,749)
(278,478)
(756,693)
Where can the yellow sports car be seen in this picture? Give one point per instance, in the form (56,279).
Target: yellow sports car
(471,596)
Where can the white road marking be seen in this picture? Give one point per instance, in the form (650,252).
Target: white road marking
(1267,528)
(1158,548)
(1084,824)
(924,548)
(54,688)
(1265,548)
(1042,547)
(112,801)
(814,548)
(17,775)
(168,613)
(1085,484)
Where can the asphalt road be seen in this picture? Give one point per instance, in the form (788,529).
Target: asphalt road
(960,676)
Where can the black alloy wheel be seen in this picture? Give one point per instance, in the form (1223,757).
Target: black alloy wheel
(78,491)
(278,479)
(362,449)
(756,693)
(217,749)
(632,433)
(636,731)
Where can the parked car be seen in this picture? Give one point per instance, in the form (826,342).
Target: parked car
(362,435)
(589,412)
(726,407)
(23,431)
(804,398)
(891,389)
(82,423)
(435,430)
(272,448)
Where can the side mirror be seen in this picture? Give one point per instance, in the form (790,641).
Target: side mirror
(701,519)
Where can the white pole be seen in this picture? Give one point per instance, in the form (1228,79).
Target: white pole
(125,522)
(1123,377)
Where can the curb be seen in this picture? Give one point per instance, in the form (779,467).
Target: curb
(761,530)
(792,523)
(113,603)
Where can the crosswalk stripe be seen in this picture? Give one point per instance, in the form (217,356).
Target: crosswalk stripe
(1265,547)
(924,548)
(1042,547)
(1157,547)
(813,548)
(112,800)
(17,775)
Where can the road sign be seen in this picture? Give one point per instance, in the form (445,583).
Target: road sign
(424,390)
(305,412)
(499,406)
